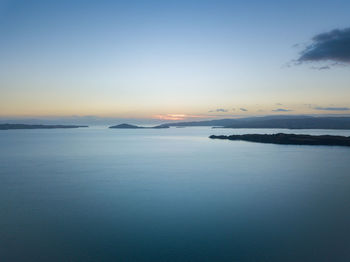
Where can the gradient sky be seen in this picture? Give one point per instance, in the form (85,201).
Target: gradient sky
(167,59)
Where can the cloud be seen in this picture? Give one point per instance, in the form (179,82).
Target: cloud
(329,46)
(281,110)
(321,67)
(309,105)
(332,108)
(222,110)
(278,104)
(243,109)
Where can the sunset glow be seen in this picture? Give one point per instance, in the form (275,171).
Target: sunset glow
(175,117)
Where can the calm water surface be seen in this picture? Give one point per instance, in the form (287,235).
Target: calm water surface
(99,194)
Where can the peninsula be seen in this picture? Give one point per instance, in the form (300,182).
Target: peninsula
(25,126)
(290,139)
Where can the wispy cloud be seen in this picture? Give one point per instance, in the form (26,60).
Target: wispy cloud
(222,110)
(282,110)
(321,67)
(329,46)
(332,108)
(243,109)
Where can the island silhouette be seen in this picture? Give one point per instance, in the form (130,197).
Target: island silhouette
(128,126)
(290,139)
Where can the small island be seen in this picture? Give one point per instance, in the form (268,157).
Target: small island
(290,139)
(25,126)
(128,126)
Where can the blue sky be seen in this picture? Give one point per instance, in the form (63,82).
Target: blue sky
(162,59)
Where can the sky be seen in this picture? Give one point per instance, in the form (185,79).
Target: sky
(173,60)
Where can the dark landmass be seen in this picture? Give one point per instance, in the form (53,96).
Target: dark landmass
(125,126)
(128,126)
(288,122)
(160,126)
(290,139)
(25,126)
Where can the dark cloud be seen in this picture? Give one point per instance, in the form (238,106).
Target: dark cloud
(332,108)
(243,109)
(330,46)
(222,110)
(281,110)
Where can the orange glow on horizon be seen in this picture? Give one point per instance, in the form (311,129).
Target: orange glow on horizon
(175,117)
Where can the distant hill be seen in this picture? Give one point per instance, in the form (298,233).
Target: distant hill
(25,126)
(220,122)
(288,122)
(128,126)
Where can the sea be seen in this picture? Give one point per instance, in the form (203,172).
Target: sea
(99,194)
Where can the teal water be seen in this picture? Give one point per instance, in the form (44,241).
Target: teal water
(99,194)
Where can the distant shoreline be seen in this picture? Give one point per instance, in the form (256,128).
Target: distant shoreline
(25,126)
(278,122)
(289,139)
(128,126)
